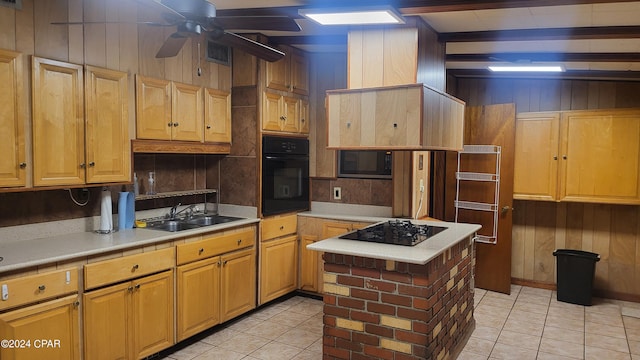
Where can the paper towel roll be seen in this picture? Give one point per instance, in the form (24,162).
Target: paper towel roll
(106,214)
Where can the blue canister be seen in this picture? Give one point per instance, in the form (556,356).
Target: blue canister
(126,210)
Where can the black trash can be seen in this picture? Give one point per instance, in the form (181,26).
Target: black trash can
(574,275)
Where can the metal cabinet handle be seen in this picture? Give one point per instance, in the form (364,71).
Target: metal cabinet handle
(504,210)
(282,227)
(77,303)
(283,118)
(130,289)
(225,262)
(564,157)
(135,267)
(395,125)
(200,251)
(239,241)
(41,288)
(208,126)
(23,165)
(83,165)
(92,164)
(302,120)
(555,157)
(170,124)
(175,124)
(137,286)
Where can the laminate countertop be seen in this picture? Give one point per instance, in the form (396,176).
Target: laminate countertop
(418,254)
(22,254)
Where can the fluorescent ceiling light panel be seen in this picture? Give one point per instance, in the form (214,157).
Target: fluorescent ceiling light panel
(353,16)
(526,68)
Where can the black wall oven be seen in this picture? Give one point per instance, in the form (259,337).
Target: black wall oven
(285,175)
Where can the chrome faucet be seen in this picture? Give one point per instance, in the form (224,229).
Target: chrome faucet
(173,212)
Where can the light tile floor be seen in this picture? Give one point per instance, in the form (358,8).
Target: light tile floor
(528,324)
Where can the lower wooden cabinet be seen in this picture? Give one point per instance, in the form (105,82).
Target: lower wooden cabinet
(198,297)
(55,320)
(278,269)
(129,320)
(214,290)
(237,284)
(309,262)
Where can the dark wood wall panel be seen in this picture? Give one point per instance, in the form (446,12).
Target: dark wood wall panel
(539,227)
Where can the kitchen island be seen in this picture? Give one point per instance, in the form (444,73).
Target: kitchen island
(385,301)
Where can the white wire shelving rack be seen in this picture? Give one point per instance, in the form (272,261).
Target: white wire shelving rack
(484,177)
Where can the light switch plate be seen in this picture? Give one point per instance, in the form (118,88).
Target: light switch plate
(337,193)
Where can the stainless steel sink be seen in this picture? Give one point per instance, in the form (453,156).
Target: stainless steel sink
(193,222)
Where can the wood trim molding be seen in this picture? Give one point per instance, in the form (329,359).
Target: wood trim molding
(178,147)
(606,294)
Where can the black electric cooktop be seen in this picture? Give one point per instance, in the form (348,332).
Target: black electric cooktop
(396,232)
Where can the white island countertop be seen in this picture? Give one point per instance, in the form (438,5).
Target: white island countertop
(418,254)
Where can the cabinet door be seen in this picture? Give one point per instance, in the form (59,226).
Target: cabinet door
(198,297)
(13,162)
(272,112)
(309,261)
(304,116)
(299,74)
(238,284)
(277,74)
(187,113)
(536,156)
(332,229)
(153,108)
(108,149)
(152,314)
(217,116)
(278,267)
(106,335)
(58,123)
(291,115)
(600,158)
(55,320)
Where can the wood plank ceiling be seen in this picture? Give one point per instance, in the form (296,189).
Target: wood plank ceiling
(596,39)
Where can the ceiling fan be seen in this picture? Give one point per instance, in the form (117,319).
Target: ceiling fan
(194,17)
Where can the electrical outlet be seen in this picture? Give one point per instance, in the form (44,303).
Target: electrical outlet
(337,193)
(421,185)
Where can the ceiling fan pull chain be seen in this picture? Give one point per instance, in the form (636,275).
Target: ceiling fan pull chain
(199,68)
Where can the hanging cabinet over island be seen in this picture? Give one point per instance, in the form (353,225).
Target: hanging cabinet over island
(401,117)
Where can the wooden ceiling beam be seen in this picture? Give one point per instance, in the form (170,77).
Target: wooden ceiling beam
(567,75)
(580,33)
(545,57)
(412,7)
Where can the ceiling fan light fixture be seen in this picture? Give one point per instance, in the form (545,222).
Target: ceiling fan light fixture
(526,68)
(353,16)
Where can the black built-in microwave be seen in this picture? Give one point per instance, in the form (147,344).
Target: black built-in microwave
(366,164)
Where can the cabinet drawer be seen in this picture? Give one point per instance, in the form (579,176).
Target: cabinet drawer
(34,288)
(128,267)
(279,226)
(215,245)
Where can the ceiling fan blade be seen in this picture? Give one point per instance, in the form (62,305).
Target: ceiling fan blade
(274,23)
(249,46)
(171,46)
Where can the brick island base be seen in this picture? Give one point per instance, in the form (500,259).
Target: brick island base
(382,309)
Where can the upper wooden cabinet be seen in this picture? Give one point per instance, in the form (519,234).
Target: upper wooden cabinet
(407,117)
(153,108)
(108,149)
(187,112)
(536,156)
(217,116)
(58,123)
(290,74)
(13,163)
(168,110)
(284,113)
(70,147)
(595,154)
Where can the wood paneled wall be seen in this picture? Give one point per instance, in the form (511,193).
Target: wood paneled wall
(613,231)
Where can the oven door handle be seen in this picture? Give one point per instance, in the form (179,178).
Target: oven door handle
(301,157)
